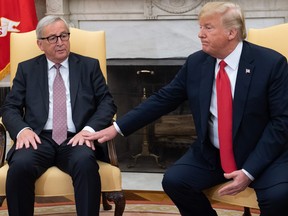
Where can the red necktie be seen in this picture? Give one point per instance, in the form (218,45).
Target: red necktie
(59,131)
(224,106)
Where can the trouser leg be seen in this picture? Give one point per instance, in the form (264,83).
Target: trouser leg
(273,200)
(25,166)
(184,182)
(80,163)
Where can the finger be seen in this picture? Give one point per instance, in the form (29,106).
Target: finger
(92,136)
(33,142)
(34,145)
(224,189)
(90,144)
(227,190)
(223,192)
(19,145)
(70,141)
(102,139)
(74,143)
(77,141)
(38,140)
(27,144)
(228,175)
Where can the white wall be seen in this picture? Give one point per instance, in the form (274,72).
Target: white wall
(155,28)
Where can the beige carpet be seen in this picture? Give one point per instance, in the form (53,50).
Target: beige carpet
(132,209)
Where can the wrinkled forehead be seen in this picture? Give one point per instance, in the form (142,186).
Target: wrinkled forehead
(55,28)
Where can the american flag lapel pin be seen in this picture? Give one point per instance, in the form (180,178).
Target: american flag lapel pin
(247,71)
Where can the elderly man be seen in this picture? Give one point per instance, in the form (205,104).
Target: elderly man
(55,98)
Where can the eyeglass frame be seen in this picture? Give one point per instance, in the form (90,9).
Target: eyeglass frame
(59,36)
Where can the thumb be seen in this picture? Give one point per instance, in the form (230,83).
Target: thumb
(228,175)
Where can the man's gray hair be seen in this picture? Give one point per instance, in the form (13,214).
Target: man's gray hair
(47,20)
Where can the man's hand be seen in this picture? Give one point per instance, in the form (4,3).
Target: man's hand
(79,139)
(103,135)
(239,182)
(26,138)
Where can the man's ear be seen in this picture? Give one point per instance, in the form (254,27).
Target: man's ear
(39,43)
(232,33)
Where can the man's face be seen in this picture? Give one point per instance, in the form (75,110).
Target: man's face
(214,37)
(59,51)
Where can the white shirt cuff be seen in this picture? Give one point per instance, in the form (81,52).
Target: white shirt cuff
(117,128)
(248,174)
(88,128)
(22,130)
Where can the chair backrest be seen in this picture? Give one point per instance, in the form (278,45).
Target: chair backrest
(274,37)
(23,46)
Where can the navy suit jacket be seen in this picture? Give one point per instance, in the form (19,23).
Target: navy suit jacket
(27,104)
(260,111)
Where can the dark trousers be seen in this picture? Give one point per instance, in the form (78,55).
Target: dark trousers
(26,165)
(185,181)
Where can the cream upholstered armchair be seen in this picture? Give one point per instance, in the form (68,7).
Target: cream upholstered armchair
(274,37)
(54,182)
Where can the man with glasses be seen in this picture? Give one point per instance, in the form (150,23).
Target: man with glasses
(55,97)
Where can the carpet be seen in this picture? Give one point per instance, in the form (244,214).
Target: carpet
(132,209)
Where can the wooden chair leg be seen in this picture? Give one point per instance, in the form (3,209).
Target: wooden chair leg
(119,200)
(105,202)
(247,211)
(2,198)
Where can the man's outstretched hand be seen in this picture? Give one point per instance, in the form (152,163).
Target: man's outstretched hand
(103,135)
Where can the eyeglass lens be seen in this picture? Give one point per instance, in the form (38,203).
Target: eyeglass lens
(54,38)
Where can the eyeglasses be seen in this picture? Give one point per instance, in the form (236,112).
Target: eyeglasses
(53,38)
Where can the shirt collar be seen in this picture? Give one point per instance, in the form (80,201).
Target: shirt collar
(232,60)
(63,64)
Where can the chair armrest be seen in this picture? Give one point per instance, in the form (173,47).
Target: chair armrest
(2,144)
(112,153)
(112,150)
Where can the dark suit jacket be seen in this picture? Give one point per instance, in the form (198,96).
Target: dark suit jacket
(260,110)
(26,105)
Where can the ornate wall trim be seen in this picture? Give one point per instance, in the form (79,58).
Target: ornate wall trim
(176,6)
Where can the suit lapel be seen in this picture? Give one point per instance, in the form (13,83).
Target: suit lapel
(206,84)
(74,77)
(245,72)
(42,73)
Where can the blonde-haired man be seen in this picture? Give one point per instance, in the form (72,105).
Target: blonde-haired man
(256,82)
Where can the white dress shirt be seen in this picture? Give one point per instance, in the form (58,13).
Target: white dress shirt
(231,69)
(64,70)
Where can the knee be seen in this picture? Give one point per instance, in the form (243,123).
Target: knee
(278,199)
(21,166)
(275,200)
(21,169)
(85,165)
(170,182)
